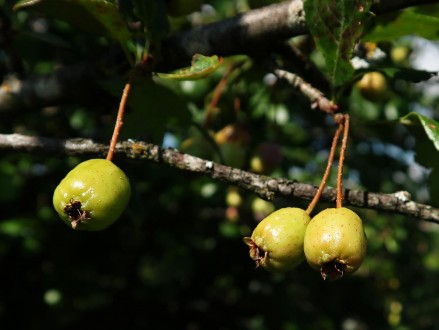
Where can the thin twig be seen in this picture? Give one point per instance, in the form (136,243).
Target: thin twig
(316,97)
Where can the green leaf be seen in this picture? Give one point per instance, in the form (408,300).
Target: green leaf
(430,126)
(95,16)
(336,27)
(407,74)
(201,67)
(426,132)
(153,15)
(408,22)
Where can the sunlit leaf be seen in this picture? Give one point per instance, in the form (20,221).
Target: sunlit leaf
(201,67)
(430,126)
(336,27)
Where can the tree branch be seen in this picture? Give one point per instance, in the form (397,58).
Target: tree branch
(248,33)
(71,83)
(265,187)
(253,33)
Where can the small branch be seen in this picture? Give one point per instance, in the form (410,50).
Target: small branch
(317,98)
(251,33)
(265,187)
(70,83)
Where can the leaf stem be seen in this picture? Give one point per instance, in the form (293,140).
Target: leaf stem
(327,171)
(339,188)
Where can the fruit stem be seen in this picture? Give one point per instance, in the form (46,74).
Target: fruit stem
(327,171)
(119,119)
(339,198)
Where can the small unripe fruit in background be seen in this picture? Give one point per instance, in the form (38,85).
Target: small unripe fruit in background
(400,55)
(92,196)
(335,242)
(276,244)
(232,140)
(261,208)
(266,158)
(233,198)
(197,146)
(373,87)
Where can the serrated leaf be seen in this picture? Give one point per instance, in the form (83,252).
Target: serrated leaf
(201,67)
(430,126)
(408,22)
(95,16)
(336,27)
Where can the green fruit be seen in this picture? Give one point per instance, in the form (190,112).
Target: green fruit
(335,242)
(266,158)
(277,241)
(400,55)
(233,154)
(92,196)
(233,198)
(373,87)
(197,146)
(261,208)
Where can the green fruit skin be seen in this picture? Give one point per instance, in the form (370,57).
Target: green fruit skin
(335,234)
(102,188)
(281,234)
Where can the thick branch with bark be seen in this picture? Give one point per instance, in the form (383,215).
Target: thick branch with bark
(264,186)
(68,84)
(251,33)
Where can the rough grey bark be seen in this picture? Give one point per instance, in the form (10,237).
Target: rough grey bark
(252,33)
(264,186)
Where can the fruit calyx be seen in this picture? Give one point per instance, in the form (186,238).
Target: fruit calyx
(256,253)
(74,212)
(332,270)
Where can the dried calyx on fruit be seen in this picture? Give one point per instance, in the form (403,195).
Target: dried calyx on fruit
(335,242)
(276,243)
(92,196)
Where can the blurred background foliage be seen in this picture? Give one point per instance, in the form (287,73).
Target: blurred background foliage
(176,259)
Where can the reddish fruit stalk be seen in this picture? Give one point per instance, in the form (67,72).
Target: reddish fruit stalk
(345,123)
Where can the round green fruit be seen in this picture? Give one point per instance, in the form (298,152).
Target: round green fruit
(373,87)
(92,196)
(266,158)
(335,242)
(276,243)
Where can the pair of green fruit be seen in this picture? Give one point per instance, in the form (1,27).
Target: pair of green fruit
(333,242)
(92,196)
